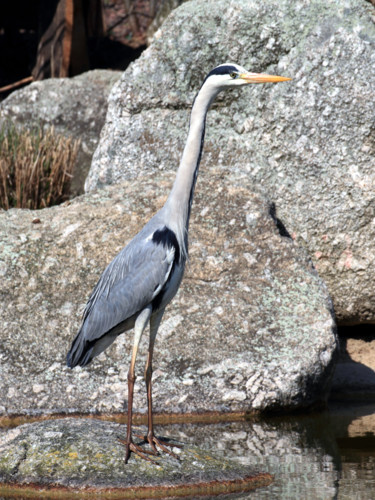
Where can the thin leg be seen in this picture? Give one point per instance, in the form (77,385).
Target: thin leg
(140,325)
(151,438)
(154,326)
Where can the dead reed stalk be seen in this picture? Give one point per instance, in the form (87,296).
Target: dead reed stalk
(35,167)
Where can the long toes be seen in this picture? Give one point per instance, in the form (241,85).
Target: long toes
(150,441)
(141,437)
(153,441)
(145,440)
(142,453)
(163,445)
(138,450)
(166,443)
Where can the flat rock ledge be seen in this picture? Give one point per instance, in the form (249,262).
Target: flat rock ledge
(83,457)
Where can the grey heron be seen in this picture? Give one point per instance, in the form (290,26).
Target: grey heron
(142,279)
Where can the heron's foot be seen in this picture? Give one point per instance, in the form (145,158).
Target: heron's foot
(153,441)
(132,447)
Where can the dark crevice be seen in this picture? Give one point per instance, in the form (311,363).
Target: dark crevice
(280,226)
(364,332)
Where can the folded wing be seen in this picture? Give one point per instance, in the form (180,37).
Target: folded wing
(131,281)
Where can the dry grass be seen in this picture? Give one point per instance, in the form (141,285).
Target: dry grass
(35,167)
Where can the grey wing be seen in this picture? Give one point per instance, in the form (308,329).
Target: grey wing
(129,283)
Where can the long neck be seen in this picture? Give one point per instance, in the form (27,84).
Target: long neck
(181,196)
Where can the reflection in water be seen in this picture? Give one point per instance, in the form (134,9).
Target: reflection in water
(318,456)
(327,455)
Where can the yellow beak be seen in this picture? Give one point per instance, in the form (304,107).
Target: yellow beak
(262,78)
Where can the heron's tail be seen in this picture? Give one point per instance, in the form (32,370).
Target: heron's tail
(81,352)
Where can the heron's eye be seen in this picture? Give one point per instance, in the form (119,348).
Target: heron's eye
(233,75)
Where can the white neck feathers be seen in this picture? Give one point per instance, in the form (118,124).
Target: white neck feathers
(180,198)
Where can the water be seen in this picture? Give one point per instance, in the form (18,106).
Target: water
(316,456)
(325,455)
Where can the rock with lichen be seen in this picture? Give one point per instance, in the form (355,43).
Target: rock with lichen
(77,453)
(308,143)
(251,328)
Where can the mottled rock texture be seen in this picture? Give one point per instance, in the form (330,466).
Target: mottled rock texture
(163,12)
(250,329)
(309,143)
(76,107)
(87,453)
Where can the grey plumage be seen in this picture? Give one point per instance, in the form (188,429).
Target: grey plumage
(134,279)
(138,284)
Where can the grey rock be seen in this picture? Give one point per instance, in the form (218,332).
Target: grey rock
(87,453)
(309,143)
(251,328)
(76,107)
(163,12)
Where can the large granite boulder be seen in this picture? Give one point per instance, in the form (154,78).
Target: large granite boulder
(163,12)
(250,330)
(75,107)
(309,143)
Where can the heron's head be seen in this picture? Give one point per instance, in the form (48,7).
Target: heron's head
(232,75)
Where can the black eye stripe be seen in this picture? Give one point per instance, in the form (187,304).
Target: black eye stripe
(223,70)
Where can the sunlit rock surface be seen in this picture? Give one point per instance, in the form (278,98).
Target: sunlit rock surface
(251,328)
(308,143)
(75,453)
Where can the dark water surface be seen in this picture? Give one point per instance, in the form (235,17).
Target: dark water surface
(325,455)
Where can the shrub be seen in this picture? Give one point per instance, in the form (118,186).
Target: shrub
(35,167)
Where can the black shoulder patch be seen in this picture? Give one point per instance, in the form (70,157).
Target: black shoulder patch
(167,238)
